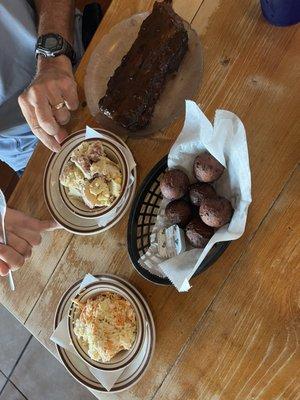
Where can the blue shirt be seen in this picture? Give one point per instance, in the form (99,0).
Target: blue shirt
(17,67)
(18,35)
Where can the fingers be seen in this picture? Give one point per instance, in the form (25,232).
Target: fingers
(14,254)
(32,237)
(70,95)
(62,115)
(31,118)
(60,137)
(46,120)
(11,257)
(38,101)
(23,233)
(19,244)
(26,227)
(36,225)
(16,217)
(4,268)
(31,224)
(51,142)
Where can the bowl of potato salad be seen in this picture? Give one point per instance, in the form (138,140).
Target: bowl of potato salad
(93,178)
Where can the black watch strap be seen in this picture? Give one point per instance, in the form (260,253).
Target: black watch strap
(53,45)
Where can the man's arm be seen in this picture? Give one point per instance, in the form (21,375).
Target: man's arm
(54,81)
(56,16)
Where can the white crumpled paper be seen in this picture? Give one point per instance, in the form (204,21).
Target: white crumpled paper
(92,133)
(226,141)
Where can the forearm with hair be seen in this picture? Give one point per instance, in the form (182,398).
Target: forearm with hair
(56,16)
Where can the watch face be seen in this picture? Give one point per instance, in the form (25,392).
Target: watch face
(52,42)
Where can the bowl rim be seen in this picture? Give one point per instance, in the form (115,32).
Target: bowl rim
(140,336)
(98,211)
(50,190)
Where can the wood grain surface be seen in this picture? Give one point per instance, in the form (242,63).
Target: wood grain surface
(8,179)
(246,346)
(233,335)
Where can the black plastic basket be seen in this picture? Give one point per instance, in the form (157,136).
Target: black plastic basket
(142,218)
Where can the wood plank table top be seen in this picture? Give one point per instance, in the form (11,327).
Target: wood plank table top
(235,334)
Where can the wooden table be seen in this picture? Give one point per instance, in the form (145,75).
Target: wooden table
(235,334)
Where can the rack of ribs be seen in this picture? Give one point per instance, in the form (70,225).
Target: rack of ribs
(137,83)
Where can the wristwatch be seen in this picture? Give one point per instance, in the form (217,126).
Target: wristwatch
(54,45)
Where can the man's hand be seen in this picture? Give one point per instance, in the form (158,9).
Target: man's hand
(54,84)
(22,233)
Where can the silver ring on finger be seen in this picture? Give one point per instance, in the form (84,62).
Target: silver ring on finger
(59,105)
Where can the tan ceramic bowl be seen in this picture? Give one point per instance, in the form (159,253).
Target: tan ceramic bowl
(72,216)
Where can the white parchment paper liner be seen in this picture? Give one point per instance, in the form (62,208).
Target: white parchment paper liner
(91,133)
(226,141)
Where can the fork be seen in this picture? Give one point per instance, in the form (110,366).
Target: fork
(3,212)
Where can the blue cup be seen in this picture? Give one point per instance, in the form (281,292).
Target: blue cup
(281,12)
